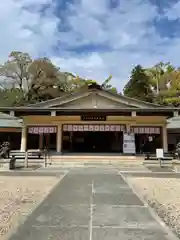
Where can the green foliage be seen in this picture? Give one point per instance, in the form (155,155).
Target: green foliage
(44,79)
(35,80)
(173,101)
(138,85)
(157,75)
(27,80)
(159,84)
(169,89)
(10,97)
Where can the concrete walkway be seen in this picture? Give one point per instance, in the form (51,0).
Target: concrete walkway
(92,203)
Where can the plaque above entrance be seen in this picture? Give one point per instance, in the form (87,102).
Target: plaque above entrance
(93,118)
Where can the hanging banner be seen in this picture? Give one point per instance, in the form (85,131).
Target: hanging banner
(93,128)
(146,130)
(42,130)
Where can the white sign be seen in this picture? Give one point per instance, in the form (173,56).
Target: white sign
(129,143)
(159,153)
(150,138)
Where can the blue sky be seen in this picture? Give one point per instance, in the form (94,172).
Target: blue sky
(93,38)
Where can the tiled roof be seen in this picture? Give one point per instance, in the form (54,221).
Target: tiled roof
(85,92)
(173,123)
(9,121)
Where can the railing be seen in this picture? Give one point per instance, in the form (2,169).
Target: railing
(30,156)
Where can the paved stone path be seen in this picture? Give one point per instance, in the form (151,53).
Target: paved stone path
(92,203)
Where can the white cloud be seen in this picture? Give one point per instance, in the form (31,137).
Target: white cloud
(129,32)
(24,30)
(126,30)
(173,12)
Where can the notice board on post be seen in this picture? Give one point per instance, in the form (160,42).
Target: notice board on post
(159,153)
(129,143)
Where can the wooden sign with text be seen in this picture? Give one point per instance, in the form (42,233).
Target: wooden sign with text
(93,118)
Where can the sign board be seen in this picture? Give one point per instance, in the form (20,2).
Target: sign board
(159,153)
(150,138)
(93,118)
(129,143)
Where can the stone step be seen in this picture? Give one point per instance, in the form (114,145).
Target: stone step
(107,157)
(94,159)
(155,162)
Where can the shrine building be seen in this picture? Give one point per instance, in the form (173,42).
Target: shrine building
(93,120)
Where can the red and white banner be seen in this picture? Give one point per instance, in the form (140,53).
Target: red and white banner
(146,130)
(42,130)
(93,128)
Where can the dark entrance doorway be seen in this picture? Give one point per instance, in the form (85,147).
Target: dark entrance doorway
(96,142)
(148,143)
(42,141)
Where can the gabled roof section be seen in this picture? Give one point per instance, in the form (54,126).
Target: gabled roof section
(94,98)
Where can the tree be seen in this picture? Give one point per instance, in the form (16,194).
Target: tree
(170,93)
(26,80)
(156,74)
(44,80)
(76,83)
(14,71)
(8,97)
(85,83)
(107,86)
(34,80)
(138,85)
(159,84)
(165,82)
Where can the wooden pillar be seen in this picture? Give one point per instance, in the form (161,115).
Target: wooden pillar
(41,141)
(26,160)
(23,139)
(164,137)
(47,141)
(59,138)
(71,136)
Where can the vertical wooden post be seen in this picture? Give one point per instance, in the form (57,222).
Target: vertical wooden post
(164,137)
(26,159)
(23,139)
(71,138)
(59,138)
(40,141)
(45,158)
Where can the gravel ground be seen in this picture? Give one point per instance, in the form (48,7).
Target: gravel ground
(163,195)
(19,196)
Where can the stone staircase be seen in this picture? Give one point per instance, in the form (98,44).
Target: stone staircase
(68,161)
(82,160)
